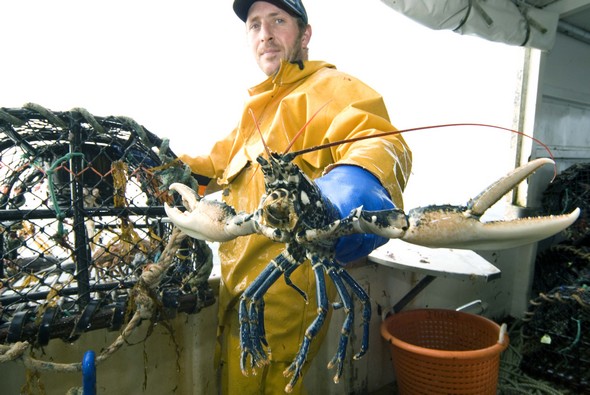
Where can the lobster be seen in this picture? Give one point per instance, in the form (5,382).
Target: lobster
(293,211)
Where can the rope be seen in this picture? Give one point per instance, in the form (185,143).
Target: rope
(572,250)
(13,351)
(145,307)
(10,119)
(51,117)
(89,118)
(135,126)
(511,379)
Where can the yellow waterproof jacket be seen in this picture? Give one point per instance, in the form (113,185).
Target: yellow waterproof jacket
(338,107)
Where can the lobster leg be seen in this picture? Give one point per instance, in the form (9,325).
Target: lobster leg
(290,283)
(251,306)
(250,332)
(251,316)
(341,278)
(337,360)
(366,302)
(294,369)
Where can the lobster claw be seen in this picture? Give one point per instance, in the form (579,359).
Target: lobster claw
(205,219)
(460,227)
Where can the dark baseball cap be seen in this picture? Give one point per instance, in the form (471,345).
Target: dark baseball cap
(293,7)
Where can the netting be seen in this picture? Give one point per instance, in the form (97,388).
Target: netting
(569,190)
(83,234)
(556,342)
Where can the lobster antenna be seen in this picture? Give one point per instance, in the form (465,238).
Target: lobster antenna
(300,132)
(259,131)
(383,134)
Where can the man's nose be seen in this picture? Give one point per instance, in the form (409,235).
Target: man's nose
(266,33)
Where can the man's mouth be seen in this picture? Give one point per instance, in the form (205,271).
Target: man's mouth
(269,51)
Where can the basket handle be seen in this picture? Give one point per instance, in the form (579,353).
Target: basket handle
(502,335)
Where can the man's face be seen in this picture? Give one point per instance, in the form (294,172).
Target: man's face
(273,35)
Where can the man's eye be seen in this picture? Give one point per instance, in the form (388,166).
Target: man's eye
(254,26)
(279,21)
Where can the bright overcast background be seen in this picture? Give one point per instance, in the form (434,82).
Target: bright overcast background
(181,69)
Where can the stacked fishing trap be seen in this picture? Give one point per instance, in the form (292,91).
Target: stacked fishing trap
(83,232)
(556,338)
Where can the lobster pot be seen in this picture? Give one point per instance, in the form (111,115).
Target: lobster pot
(556,340)
(82,219)
(568,191)
(444,351)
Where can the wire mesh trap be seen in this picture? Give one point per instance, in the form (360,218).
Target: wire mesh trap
(556,342)
(571,189)
(82,226)
(561,264)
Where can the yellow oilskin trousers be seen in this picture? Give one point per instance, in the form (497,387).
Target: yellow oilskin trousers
(336,107)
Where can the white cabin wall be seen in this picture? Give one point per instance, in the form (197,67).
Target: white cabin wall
(563,109)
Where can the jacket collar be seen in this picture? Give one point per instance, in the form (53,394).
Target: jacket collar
(289,73)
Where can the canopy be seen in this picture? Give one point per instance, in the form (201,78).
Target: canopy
(513,23)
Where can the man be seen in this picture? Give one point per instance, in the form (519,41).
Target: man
(371,173)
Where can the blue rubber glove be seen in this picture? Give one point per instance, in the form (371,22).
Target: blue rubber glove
(348,187)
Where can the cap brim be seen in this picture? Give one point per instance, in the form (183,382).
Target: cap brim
(241,8)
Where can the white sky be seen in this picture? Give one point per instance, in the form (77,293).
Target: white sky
(181,68)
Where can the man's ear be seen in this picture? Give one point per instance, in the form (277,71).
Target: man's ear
(306,36)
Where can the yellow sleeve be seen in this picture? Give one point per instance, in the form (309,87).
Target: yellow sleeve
(213,164)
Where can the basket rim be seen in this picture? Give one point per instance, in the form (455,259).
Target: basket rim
(481,353)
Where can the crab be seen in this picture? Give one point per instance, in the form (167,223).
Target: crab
(293,211)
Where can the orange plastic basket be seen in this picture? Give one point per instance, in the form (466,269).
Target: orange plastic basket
(444,351)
